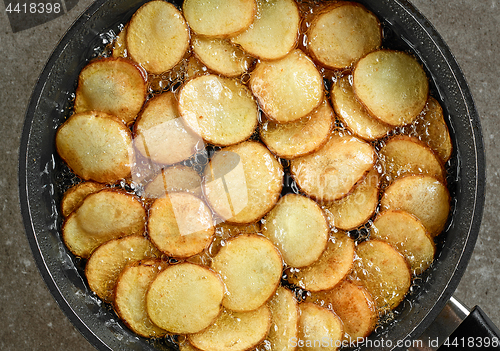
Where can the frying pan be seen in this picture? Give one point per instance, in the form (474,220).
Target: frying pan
(43,176)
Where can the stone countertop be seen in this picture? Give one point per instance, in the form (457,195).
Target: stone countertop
(32,320)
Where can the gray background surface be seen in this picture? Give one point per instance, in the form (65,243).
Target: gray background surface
(29,317)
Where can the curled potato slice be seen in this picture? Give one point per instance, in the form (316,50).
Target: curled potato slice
(172,179)
(319,328)
(74,196)
(284,319)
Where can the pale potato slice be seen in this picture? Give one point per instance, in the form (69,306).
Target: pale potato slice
(171,179)
(130,296)
(408,235)
(284,320)
(180,225)
(116,86)
(157,36)
(319,329)
(274,32)
(425,197)
(298,228)
(392,85)
(353,114)
(160,133)
(342,34)
(289,88)
(221,56)
(332,266)
(243,182)
(96,146)
(108,260)
(102,216)
(383,271)
(355,307)
(234,331)
(219,18)
(185,298)
(403,155)
(221,110)
(301,137)
(74,196)
(120,44)
(331,172)
(250,267)
(356,208)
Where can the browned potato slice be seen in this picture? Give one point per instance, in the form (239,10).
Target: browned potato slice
(120,44)
(174,178)
(274,32)
(298,228)
(284,318)
(353,114)
(340,35)
(392,85)
(423,196)
(301,137)
(102,216)
(108,260)
(75,195)
(319,329)
(221,110)
(250,267)
(185,298)
(160,133)
(234,331)
(356,208)
(289,88)
(219,18)
(403,155)
(330,173)
(96,146)
(130,296)
(355,307)
(157,36)
(408,235)
(180,225)
(116,86)
(243,182)
(383,271)
(332,266)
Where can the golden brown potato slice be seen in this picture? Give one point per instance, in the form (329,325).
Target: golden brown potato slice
(75,195)
(383,271)
(219,18)
(108,260)
(289,88)
(130,296)
(356,208)
(120,44)
(353,114)
(332,266)
(250,267)
(171,179)
(274,32)
(342,34)
(96,146)
(298,228)
(221,110)
(160,133)
(392,85)
(180,225)
(102,216)
(408,235)
(243,182)
(423,196)
(319,329)
(157,36)
(234,331)
(284,320)
(330,173)
(185,298)
(301,137)
(116,86)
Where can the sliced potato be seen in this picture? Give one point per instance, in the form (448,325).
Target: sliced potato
(120,44)
(298,228)
(185,298)
(108,260)
(289,88)
(74,196)
(157,36)
(250,267)
(185,345)
(319,328)
(171,179)
(392,85)
(285,319)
